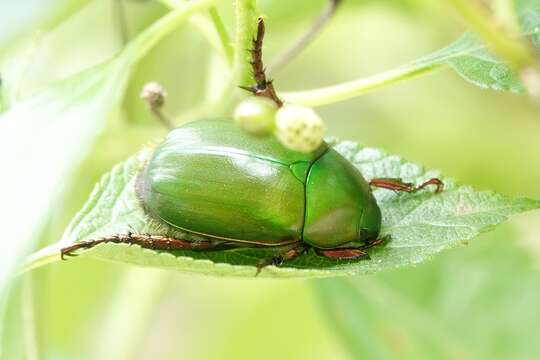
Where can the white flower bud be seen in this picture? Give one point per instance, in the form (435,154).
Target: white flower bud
(153,94)
(256,115)
(299,128)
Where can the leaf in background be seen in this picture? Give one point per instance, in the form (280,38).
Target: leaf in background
(471,59)
(14,65)
(528,12)
(479,303)
(468,56)
(420,224)
(44,138)
(23,18)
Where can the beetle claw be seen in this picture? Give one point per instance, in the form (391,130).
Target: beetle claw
(68,253)
(262,264)
(277,260)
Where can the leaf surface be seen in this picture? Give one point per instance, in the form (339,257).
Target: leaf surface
(419,225)
(472,60)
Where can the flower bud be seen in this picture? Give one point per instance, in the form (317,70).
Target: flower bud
(256,115)
(299,128)
(153,94)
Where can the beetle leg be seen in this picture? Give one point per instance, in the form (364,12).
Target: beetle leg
(279,259)
(349,253)
(400,185)
(263,86)
(154,242)
(251,89)
(343,254)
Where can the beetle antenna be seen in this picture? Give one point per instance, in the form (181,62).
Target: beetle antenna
(262,87)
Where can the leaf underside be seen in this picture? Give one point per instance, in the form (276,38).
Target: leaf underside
(476,64)
(419,225)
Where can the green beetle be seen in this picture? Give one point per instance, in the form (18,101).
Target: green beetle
(211,179)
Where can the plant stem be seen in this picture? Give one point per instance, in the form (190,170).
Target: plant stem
(119,13)
(350,89)
(158,30)
(246,23)
(223,35)
(212,28)
(305,39)
(513,50)
(504,14)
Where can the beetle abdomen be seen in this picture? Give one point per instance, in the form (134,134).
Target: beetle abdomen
(209,178)
(340,208)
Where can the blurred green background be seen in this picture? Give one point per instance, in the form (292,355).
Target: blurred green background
(482,301)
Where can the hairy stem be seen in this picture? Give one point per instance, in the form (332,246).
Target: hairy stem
(262,86)
(350,89)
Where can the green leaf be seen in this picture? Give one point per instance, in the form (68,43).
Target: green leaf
(468,56)
(529,19)
(471,59)
(479,303)
(420,224)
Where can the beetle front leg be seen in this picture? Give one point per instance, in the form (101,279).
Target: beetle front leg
(400,185)
(154,242)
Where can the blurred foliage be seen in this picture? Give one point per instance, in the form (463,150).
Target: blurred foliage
(482,138)
(35,15)
(480,303)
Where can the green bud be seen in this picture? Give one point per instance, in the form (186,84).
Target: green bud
(299,128)
(256,115)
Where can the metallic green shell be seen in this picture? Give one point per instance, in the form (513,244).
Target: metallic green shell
(210,178)
(340,208)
